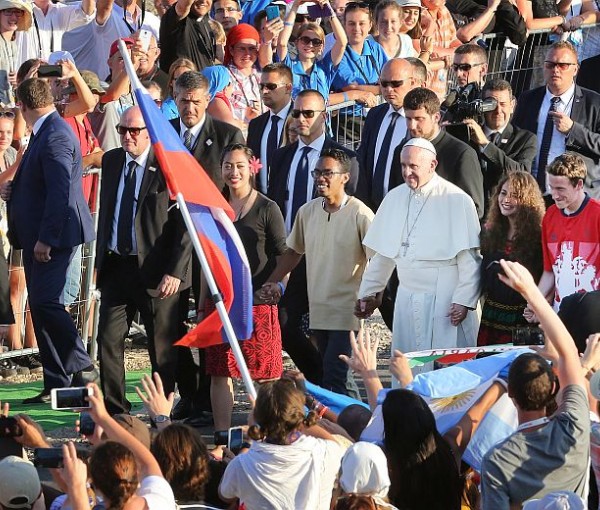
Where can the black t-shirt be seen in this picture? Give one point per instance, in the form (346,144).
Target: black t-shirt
(188,38)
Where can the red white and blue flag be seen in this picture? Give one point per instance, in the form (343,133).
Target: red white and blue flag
(212,217)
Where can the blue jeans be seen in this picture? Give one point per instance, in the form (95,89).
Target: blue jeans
(336,376)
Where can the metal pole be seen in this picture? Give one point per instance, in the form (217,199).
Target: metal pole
(214,290)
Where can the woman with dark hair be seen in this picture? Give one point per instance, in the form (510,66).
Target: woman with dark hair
(512,231)
(260,225)
(292,463)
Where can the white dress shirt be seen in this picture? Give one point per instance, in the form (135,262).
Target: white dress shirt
(397,137)
(559,140)
(282,114)
(38,123)
(313,157)
(141,160)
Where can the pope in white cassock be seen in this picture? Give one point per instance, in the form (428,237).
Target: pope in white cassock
(428,230)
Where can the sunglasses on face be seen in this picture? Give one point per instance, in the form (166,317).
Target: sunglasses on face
(563,66)
(464,67)
(7,115)
(303,18)
(307,114)
(133,131)
(307,40)
(392,83)
(268,86)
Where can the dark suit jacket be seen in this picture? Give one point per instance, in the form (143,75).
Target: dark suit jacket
(279,171)
(588,75)
(6,313)
(457,163)
(47,202)
(366,155)
(213,138)
(584,138)
(516,151)
(256,129)
(163,243)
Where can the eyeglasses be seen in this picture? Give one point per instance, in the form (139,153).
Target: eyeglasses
(303,18)
(464,67)
(392,83)
(269,86)
(13,12)
(327,174)
(7,115)
(246,49)
(563,66)
(307,40)
(227,10)
(307,114)
(133,131)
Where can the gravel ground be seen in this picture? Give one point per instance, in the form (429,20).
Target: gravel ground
(136,359)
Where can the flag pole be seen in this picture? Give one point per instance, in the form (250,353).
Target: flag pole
(217,298)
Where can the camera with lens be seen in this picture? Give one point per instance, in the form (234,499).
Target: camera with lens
(528,335)
(465,103)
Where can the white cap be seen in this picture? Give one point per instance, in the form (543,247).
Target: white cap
(561,500)
(409,3)
(422,143)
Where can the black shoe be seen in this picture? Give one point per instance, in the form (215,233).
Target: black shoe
(42,398)
(183,409)
(200,419)
(32,362)
(84,377)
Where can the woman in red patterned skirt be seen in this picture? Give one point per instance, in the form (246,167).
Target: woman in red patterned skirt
(260,224)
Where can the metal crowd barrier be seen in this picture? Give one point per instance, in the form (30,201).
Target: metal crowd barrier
(85,308)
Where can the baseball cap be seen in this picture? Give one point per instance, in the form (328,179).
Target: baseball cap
(364,470)
(114,47)
(59,56)
(410,3)
(91,80)
(560,500)
(19,483)
(136,427)
(421,143)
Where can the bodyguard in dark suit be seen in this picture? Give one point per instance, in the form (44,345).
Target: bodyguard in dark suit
(565,117)
(384,130)
(143,260)
(457,161)
(266,133)
(291,186)
(48,216)
(203,136)
(501,146)
(588,76)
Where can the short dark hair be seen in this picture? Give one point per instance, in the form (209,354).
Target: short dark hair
(191,80)
(422,98)
(419,68)
(310,92)
(497,85)
(531,382)
(35,93)
(354,419)
(472,49)
(338,155)
(280,69)
(237,147)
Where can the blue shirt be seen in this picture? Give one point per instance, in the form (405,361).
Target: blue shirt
(320,78)
(169,108)
(363,69)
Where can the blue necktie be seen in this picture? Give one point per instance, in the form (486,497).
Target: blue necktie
(300,183)
(125,221)
(377,190)
(545,146)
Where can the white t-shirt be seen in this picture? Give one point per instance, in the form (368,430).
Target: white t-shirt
(284,477)
(158,493)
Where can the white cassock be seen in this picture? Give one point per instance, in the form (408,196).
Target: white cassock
(432,238)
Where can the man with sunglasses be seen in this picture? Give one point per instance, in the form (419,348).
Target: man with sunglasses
(564,116)
(470,65)
(385,129)
(266,132)
(143,260)
(48,217)
(291,186)
(332,224)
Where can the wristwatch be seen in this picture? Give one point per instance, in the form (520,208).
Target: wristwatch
(162,418)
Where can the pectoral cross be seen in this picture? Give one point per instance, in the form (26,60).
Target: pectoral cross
(405,244)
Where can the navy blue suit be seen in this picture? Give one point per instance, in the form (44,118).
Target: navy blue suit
(47,205)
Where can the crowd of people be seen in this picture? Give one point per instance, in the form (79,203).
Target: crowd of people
(374,158)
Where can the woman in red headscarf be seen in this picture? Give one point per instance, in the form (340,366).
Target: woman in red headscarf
(241,53)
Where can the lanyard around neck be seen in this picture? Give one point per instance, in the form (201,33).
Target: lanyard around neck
(533,423)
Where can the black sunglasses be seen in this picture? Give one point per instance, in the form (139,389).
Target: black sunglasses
(8,114)
(303,18)
(316,42)
(392,83)
(308,114)
(268,86)
(357,5)
(464,67)
(134,131)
